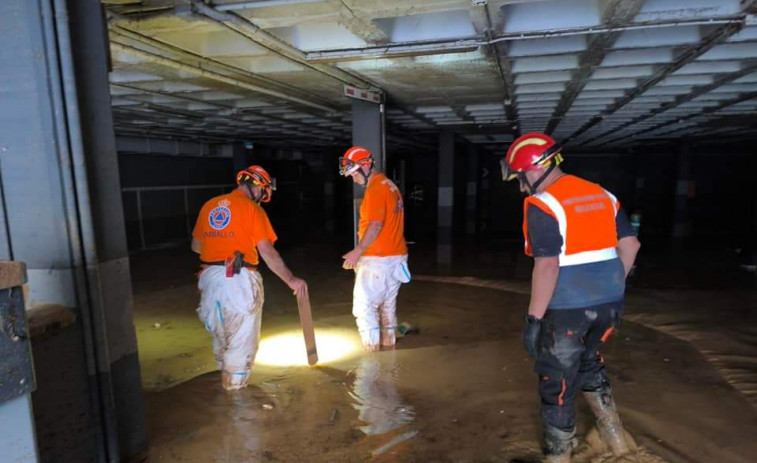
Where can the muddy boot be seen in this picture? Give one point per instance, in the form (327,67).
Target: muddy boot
(558,444)
(608,422)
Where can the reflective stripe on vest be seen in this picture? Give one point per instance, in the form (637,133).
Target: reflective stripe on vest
(585,257)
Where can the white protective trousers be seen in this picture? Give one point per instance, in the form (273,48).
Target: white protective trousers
(374,299)
(231,309)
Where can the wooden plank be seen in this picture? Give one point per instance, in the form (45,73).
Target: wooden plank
(306,320)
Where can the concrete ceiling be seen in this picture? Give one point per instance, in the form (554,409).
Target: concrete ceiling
(593,73)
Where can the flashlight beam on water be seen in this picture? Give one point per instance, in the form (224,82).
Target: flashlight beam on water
(288,349)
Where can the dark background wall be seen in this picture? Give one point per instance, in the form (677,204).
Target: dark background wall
(297,210)
(722,208)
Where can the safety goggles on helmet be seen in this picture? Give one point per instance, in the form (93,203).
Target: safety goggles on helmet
(353,159)
(347,166)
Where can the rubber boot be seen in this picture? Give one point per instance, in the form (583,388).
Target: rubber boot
(558,444)
(608,422)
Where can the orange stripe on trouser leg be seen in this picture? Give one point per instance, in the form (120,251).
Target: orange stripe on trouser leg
(607,334)
(561,397)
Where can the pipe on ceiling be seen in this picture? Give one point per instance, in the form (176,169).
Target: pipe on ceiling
(455,45)
(262,4)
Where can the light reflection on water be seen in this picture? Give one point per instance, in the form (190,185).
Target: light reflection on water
(375,397)
(288,349)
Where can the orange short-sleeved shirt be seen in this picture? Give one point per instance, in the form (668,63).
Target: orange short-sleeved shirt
(232,222)
(383,202)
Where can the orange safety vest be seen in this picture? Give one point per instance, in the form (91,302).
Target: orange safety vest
(585,214)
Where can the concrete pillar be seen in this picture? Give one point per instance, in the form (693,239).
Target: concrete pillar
(471,194)
(89,41)
(368,132)
(64,218)
(445,198)
(684,192)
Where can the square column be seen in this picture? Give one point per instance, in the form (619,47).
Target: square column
(368,132)
(445,198)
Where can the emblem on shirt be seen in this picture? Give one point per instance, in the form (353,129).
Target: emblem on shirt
(220,216)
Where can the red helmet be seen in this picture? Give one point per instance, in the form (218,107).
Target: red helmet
(530,152)
(353,158)
(257,176)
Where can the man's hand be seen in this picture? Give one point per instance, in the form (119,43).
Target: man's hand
(298,286)
(351,258)
(531,335)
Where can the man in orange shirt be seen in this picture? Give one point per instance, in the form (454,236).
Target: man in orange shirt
(230,231)
(380,257)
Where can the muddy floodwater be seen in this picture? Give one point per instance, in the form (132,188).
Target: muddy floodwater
(461,389)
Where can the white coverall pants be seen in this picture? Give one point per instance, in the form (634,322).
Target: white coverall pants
(374,299)
(231,309)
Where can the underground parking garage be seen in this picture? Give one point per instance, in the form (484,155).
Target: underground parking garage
(121,119)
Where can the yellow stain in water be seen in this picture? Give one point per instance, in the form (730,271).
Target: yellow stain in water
(288,349)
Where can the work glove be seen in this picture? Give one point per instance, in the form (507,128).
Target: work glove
(531,335)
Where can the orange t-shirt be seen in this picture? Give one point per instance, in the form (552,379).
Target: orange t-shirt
(232,222)
(383,203)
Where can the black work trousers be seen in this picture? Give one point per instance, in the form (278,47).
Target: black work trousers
(569,359)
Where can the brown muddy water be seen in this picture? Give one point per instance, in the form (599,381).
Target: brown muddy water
(460,390)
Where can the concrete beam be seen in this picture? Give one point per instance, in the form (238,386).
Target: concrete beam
(206,68)
(705,111)
(615,13)
(688,55)
(498,54)
(247,29)
(271,117)
(363,28)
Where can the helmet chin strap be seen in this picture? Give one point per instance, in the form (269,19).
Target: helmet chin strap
(366,176)
(533,188)
(252,193)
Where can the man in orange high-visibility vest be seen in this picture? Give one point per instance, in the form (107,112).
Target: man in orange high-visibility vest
(583,248)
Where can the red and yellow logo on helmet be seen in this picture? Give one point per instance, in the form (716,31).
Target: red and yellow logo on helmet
(530,152)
